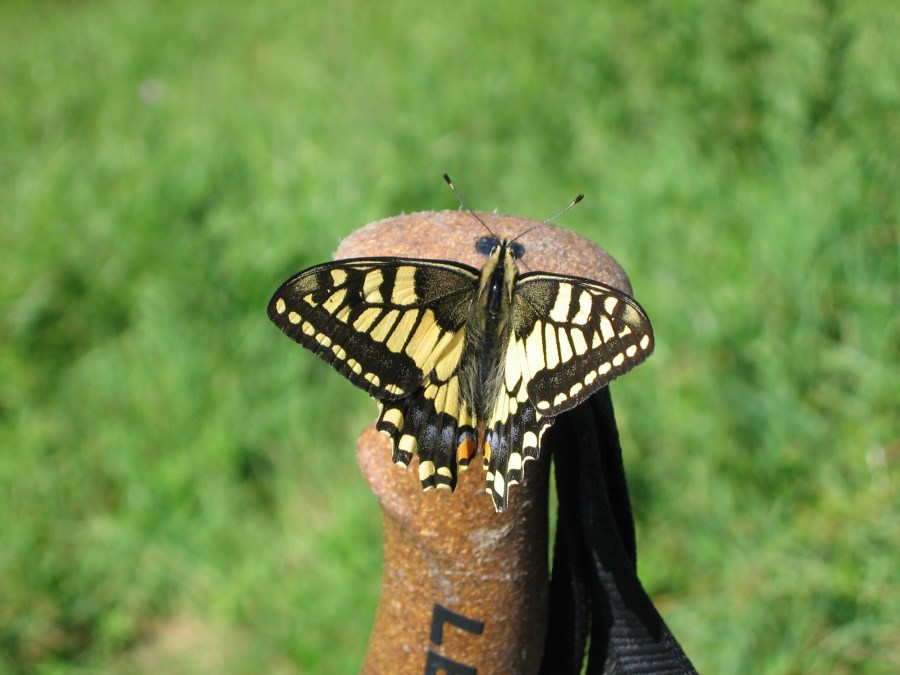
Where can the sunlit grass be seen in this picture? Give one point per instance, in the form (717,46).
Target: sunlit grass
(176,477)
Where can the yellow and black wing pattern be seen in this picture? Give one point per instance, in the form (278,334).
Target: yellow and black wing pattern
(570,337)
(395,328)
(411,333)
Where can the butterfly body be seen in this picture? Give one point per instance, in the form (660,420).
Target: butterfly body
(488,331)
(462,360)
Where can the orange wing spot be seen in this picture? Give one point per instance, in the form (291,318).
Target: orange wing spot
(465,451)
(487,451)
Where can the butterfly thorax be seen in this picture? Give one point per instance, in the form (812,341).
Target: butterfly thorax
(488,331)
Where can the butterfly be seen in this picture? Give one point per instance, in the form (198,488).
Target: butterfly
(462,360)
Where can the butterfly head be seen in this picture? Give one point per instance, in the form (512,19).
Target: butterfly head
(501,250)
(491,246)
(498,276)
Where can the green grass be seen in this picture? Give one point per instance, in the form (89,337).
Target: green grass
(178,491)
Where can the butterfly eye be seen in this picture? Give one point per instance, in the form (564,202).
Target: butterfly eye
(517,250)
(485,245)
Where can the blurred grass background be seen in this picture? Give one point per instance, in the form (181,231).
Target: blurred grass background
(178,490)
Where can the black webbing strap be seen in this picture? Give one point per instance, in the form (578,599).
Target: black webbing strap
(594,588)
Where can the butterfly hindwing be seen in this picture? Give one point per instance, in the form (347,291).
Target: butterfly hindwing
(513,438)
(434,421)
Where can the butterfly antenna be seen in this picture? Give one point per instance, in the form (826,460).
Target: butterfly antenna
(551,218)
(466,206)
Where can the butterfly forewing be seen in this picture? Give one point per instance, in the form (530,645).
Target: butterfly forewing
(575,336)
(380,322)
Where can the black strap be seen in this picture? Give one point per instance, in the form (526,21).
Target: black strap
(594,588)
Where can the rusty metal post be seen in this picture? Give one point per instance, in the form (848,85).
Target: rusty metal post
(464,589)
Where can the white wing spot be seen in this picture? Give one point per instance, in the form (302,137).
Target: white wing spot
(426,469)
(645,341)
(550,346)
(293,317)
(452,402)
(450,356)
(334,301)
(584,309)
(565,348)
(604,369)
(499,484)
(513,370)
(610,304)
(431,361)
(577,387)
(383,329)
(534,349)
(404,291)
(365,320)
(618,359)
(372,287)
(578,341)
(393,416)
(631,351)
(606,329)
(522,394)
(401,332)
(338,276)
(560,311)
(280,306)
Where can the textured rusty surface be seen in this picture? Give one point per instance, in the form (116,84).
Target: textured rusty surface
(451,235)
(452,548)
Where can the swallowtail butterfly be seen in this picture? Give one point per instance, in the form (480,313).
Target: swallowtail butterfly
(462,360)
